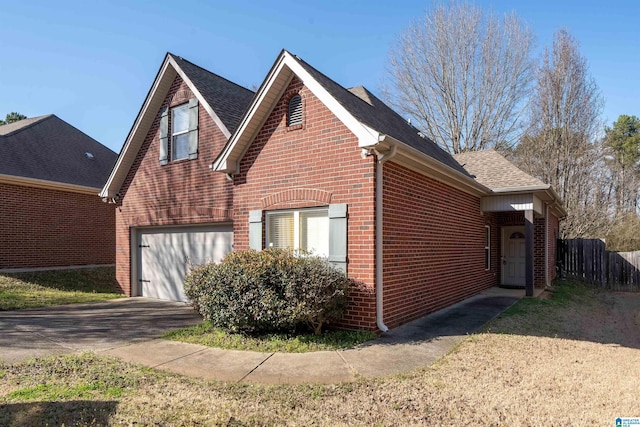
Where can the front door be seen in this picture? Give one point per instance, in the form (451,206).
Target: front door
(513,256)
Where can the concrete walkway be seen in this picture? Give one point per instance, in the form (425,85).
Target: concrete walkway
(411,346)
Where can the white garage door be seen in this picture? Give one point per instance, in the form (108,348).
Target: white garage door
(165,255)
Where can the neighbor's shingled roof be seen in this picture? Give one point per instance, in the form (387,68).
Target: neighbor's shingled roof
(50,149)
(492,170)
(229,100)
(371,111)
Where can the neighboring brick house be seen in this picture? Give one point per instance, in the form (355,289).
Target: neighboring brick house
(50,176)
(313,165)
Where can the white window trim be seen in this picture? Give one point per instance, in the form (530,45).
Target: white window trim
(487,248)
(296,223)
(176,134)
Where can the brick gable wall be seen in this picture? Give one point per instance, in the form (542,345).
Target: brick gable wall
(181,192)
(53,228)
(434,239)
(313,164)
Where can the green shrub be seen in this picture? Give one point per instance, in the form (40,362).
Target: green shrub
(270,290)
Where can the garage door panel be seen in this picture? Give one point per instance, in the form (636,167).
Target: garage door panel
(165,256)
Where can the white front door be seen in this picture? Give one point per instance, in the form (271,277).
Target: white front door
(513,256)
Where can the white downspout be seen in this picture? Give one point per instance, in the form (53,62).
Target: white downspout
(381,159)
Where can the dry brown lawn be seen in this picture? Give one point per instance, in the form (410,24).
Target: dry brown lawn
(574,362)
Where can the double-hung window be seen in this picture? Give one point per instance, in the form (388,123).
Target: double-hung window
(179,139)
(305,229)
(180,132)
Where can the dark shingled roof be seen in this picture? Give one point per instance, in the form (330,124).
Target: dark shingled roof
(371,111)
(228,100)
(50,149)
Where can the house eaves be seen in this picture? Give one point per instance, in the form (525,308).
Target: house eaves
(48,185)
(282,72)
(146,116)
(417,161)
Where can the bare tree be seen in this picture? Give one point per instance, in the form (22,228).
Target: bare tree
(463,76)
(559,147)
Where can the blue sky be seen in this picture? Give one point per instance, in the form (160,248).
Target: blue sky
(92,62)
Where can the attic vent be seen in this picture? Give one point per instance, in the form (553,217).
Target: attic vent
(89,155)
(294,115)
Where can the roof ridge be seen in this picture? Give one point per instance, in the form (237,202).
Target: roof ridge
(33,122)
(208,71)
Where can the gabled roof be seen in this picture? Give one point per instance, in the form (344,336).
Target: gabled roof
(223,100)
(370,110)
(368,118)
(21,124)
(491,169)
(48,149)
(229,99)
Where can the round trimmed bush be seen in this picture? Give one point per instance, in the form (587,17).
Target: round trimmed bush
(268,291)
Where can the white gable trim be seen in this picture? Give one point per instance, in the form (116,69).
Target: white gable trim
(198,95)
(144,120)
(285,67)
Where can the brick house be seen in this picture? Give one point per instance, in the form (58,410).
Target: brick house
(306,163)
(50,175)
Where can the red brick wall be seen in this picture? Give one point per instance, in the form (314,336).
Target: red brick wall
(539,230)
(540,251)
(323,157)
(181,192)
(552,245)
(53,228)
(434,239)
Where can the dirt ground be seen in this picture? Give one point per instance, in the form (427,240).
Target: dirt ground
(573,363)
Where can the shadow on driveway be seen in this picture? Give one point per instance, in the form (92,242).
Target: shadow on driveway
(93,326)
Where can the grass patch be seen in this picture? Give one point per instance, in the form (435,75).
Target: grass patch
(57,287)
(63,392)
(499,379)
(562,293)
(205,334)
(71,377)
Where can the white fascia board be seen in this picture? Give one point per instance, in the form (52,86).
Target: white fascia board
(367,137)
(523,189)
(198,95)
(434,169)
(109,189)
(48,185)
(222,163)
(551,197)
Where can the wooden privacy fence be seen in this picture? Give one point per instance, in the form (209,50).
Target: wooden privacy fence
(589,261)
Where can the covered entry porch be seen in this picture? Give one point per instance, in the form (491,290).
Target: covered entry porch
(527,227)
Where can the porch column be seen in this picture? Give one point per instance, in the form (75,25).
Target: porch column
(528,260)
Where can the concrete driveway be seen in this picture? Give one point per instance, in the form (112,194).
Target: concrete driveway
(93,326)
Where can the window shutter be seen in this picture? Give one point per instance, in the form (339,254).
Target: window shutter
(338,236)
(255,230)
(164,130)
(193,128)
